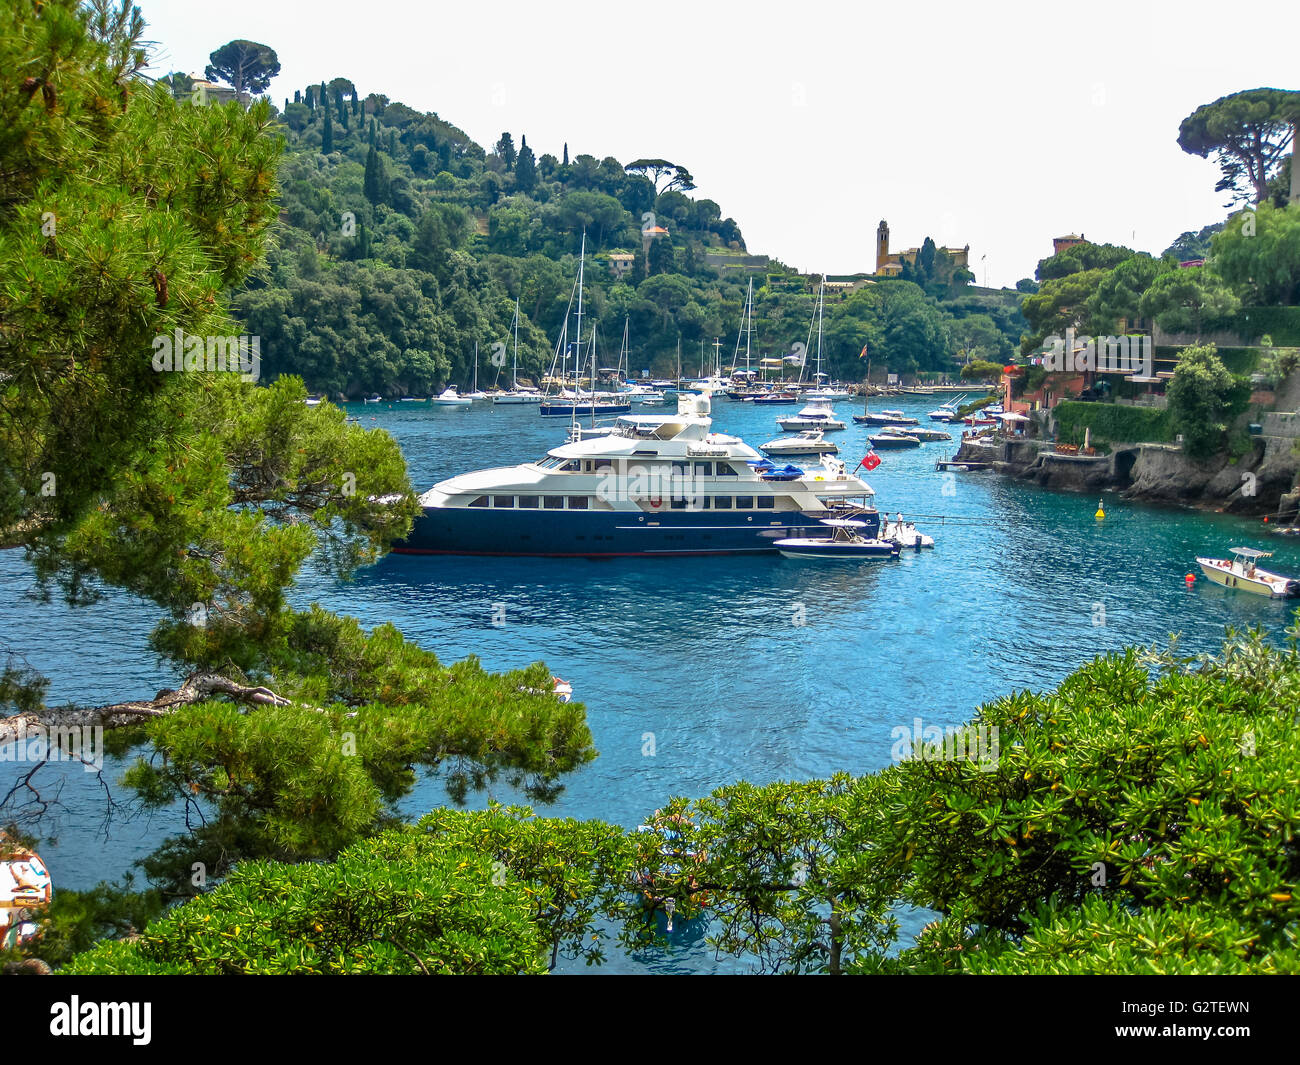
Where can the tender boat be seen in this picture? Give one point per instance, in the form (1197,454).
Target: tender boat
(816,415)
(773,397)
(845,541)
(900,438)
(925,434)
(449,397)
(652,484)
(884,417)
(374,398)
(1242,572)
(946,412)
(809,442)
(904,534)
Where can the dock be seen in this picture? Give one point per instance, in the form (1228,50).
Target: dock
(944,465)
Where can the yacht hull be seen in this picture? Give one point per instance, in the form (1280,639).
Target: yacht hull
(606,534)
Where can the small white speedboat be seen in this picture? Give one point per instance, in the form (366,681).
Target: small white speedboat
(451,398)
(809,442)
(845,541)
(1240,571)
(904,534)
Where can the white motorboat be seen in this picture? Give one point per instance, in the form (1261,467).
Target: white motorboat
(898,438)
(816,415)
(1242,572)
(922,433)
(449,397)
(844,542)
(904,533)
(808,442)
(946,412)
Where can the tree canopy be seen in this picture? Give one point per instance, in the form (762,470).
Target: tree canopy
(245,65)
(1248,133)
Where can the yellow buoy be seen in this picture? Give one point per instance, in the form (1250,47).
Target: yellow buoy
(1101,513)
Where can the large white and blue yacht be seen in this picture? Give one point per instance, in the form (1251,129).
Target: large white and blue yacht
(651,484)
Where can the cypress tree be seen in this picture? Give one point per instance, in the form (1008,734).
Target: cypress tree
(338,102)
(372,184)
(311,98)
(327,136)
(566,153)
(392,143)
(372,133)
(297,96)
(356,107)
(525,167)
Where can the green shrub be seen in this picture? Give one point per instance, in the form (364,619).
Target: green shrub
(1111,423)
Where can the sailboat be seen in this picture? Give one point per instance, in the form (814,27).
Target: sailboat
(577,405)
(517,395)
(474,393)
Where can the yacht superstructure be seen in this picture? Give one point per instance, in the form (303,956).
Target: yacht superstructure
(651,484)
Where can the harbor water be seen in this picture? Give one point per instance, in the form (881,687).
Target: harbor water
(697,672)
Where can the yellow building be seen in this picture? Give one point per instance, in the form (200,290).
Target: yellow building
(891,264)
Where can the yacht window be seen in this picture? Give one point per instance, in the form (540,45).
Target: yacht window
(744,502)
(679,503)
(503,501)
(577,502)
(528,502)
(681,469)
(722,502)
(553,502)
(767,502)
(704,469)
(702,503)
(604,464)
(572,466)
(726,469)
(481,501)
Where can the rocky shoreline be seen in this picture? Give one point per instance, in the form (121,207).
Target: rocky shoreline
(1260,482)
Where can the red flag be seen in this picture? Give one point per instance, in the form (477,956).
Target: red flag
(870,460)
(864,352)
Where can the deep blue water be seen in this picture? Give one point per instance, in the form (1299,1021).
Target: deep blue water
(706,653)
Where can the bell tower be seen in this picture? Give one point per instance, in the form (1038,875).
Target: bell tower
(882,244)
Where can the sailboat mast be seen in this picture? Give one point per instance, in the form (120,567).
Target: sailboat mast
(577,355)
(821,305)
(514,374)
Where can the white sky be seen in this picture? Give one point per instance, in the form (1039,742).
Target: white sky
(999,125)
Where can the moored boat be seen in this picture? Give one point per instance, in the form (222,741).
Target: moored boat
(886,440)
(651,485)
(449,397)
(818,414)
(846,541)
(1241,571)
(808,442)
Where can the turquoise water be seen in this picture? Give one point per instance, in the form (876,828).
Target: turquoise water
(761,668)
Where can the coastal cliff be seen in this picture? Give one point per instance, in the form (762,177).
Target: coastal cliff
(1261,481)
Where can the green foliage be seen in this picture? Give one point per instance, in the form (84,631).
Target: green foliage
(1280,324)
(1248,134)
(1192,300)
(1112,424)
(981,371)
(1192,245)
(1062,303)
(388,906)
(246,65)
(1200,396)
(1258,254)
(1119,296)
(1080,258)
